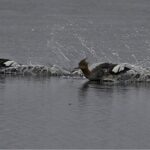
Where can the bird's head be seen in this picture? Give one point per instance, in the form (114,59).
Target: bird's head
(83,64)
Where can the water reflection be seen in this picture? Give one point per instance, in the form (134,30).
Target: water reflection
(118,112)
(100,115)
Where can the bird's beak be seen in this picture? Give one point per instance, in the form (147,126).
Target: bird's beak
(74,69)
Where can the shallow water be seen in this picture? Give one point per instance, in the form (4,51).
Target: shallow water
(72,113)
(65,112)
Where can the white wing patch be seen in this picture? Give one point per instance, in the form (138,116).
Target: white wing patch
(118,68)
(11,63)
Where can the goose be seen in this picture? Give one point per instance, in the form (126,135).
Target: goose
(102,71)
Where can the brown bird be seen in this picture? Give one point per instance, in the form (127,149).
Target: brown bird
(102,71)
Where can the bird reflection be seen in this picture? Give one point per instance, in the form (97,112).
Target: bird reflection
(85,86)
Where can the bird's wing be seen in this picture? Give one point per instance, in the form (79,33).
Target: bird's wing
(121,68)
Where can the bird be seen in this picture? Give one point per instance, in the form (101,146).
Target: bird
(6,63)
(103,71)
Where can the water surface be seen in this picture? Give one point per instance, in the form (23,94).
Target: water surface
(52,112)
(72,113)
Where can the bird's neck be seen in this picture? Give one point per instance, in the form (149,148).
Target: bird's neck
(86,72)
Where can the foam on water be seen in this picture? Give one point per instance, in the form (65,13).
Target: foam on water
(135,74)
(34,70)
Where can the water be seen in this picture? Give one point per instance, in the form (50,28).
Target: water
(67,112)
(71,113)
(64,32)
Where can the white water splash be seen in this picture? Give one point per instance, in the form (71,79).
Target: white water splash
(135,74)
(59,48)
(84,44)
(34,70)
